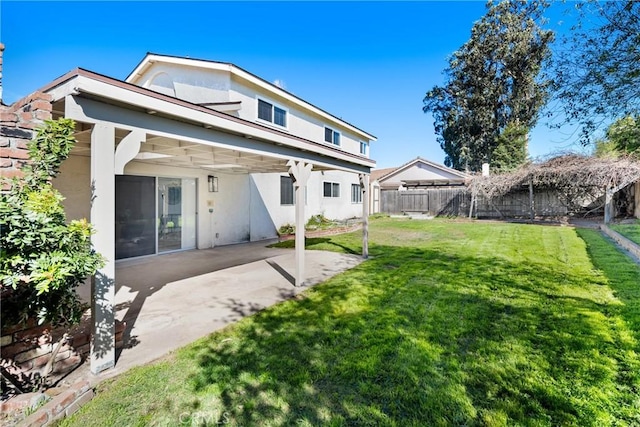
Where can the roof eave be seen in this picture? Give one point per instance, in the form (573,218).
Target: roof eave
(150,58)
(222,120)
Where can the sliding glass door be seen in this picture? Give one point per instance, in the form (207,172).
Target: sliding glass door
(154,215)
(176,214)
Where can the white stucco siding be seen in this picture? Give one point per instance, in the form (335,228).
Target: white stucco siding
(267,199)
(229,221)
(336,207)
(74,183)
(423,172)
(299,122)
(191,84)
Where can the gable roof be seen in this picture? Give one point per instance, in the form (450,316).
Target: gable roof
(376,174)
(150,58)
(395,171)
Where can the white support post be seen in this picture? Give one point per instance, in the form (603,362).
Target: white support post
(103,354)
(299,172)
(364,184)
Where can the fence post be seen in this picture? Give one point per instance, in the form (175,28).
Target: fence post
(532,208)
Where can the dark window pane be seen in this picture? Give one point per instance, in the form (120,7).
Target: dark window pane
(286,190)
(279,116)
(327,189)
(336,190)
(135,216)
(328,135)
(264,110)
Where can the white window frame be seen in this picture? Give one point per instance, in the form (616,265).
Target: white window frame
(333,194)
(364,148)
(274,105)
(356,190)
(334,133)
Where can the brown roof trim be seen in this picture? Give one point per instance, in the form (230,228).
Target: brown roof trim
(253,75)
(157,95)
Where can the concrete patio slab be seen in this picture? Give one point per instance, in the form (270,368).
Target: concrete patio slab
(168,301)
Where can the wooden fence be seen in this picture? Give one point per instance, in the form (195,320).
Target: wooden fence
(447,201)
(517,204)
(456,201)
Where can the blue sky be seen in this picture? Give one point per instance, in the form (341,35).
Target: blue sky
(369,63)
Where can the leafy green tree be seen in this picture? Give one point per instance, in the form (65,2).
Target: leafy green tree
(596,72)
(42,257)
(511,148)
(621,137)
(492,84)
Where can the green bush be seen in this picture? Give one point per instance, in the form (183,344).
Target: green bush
(286,229)
(42,257)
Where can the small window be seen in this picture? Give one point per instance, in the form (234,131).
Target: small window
(272,114)
(286,190)
(331,189)
(363,147)
(279,116)
(331,136)
(356,193)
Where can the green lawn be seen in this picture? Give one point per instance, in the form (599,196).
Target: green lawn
(449,324)
(630,231)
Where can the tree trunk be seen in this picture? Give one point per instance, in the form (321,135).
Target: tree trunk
(49,366)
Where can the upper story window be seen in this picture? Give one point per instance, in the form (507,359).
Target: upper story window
(363,148)
(331,136)
(271,113)
(331,189)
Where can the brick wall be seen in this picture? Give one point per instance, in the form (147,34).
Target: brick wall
(17,127)
(25,349)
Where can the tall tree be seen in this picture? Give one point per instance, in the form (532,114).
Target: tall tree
(596,70)
(493,92)
(621,137)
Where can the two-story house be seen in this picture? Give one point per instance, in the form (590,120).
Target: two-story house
(176,194)
(188,154)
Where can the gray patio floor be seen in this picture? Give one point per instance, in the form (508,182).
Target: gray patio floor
(168,301)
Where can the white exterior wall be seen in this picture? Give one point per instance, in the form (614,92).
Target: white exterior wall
(267,198)
(74,184)
(419,172)
(299,123)
(230,222)
(191,84)
(202,86)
